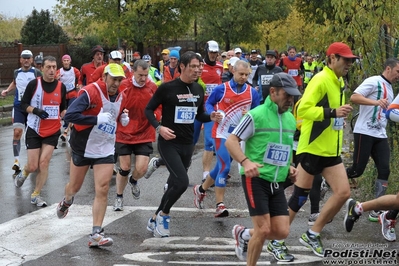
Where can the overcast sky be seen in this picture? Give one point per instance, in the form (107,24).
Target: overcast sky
(23,8)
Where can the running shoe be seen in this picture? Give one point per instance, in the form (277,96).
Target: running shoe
(324,188)
(16,173)
(221,211)
(19,179)
(152,166)
(99,240)
(63,208)
(351,216)
(279,250)
(134,187)
(198,197)
(118,204)
(313,242)
(313,217)
(162,226)
(64,137)
(38,201)
(151,225)
(374,215)
(387,227)
(241,245)
(16,166)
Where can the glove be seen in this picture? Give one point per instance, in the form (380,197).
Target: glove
(40,113)
(124,119)
(103,117)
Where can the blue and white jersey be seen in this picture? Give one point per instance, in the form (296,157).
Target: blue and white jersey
(22,78)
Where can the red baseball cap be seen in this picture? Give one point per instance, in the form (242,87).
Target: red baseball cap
(341,49)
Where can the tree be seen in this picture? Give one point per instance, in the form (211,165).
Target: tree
(40,28)
(137,21)
(10,28)
(238,21)
(315,11)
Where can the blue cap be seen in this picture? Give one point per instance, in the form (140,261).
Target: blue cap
(174,53)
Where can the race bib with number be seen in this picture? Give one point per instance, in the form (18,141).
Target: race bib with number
(107,128)
(265,79)
(308,74)
(185,114)
(52,110)
(69,87)
(209,88)
(277,154)
(293,72)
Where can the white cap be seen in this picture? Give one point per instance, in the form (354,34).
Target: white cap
(259,56)
(233,60)
(115,55)
(213,46)
(26,54)
(237,50)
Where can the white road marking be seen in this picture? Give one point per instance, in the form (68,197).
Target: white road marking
(206,247)
(36,234)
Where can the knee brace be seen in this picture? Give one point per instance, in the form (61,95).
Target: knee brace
(298,198)
(124,173)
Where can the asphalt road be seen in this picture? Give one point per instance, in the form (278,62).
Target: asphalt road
(34,236)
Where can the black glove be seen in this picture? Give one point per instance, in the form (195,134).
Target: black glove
(40,113)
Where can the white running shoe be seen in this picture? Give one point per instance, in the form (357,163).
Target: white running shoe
(241,245)
(118,204)
(162,225)
(99,240)
(152,166)
(387,227)
(198,197)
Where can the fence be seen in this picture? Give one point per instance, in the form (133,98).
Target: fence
(9,57)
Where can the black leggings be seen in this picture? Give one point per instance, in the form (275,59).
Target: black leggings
(177,159)
(366,146)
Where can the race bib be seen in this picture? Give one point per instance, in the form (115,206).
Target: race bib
(69,87)
(277,154)
(338,123)
(107,128)
(308,74)
(52,110)
(209,88)
(185,114)
(293,72)
(265,79)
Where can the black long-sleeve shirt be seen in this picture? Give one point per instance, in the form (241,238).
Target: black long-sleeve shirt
(174,94)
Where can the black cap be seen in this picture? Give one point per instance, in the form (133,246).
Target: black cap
(96,49)
(271,52)
(254,51)
(39,59)
(285,81)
